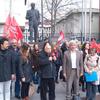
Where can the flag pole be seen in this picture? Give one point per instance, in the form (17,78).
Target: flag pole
(82,24)
(10,8)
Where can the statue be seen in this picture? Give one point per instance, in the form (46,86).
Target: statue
(33,16)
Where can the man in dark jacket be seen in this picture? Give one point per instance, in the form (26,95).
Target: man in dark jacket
(15,50)
(34,19)
(7,70)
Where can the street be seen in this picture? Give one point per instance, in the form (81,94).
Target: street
(60,93)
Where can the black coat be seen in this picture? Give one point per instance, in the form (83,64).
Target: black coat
(25,70)
(35,61)
(7,65)
(47,68)
(17,59)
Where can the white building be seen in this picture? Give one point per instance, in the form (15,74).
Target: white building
(71,24)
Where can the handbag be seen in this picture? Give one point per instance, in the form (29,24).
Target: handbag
(91,77)
(31,89)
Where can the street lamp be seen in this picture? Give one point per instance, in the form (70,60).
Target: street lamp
(10,8)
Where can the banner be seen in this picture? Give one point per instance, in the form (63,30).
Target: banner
(12,29)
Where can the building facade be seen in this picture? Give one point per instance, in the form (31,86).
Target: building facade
(72,24)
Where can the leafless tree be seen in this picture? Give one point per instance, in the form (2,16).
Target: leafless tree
(58,8)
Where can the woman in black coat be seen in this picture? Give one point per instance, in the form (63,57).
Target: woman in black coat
(48,72)
(25,71)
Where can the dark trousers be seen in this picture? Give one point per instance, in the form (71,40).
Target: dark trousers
(47,86)
(91,91)
(17,87)
(99,88)
(57,71)
(24,89)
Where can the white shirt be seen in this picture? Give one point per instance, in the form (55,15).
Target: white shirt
(73,60)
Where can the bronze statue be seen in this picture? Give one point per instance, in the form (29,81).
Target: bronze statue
(33,16)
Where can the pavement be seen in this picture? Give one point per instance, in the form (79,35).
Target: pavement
(60,93)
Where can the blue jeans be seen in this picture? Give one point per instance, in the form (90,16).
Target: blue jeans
(91,91)
(5,90)
(17,87)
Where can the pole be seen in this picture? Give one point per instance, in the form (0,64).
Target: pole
(90,20)
(42,18)
(99,20)
(82,24)
(85,19)
(10,8)
(52,10)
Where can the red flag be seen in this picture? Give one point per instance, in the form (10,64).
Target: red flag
(7,26)
(61,37)
(12,29)
(16,29)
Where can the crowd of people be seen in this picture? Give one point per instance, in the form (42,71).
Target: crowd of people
(24,62)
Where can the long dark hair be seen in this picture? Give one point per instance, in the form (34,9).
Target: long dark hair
(24,50)
(34,49)
(46,44)
(84,45)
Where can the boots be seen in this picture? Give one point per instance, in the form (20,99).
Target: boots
(26,98)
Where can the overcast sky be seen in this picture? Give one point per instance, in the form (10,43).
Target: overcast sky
(19,9)
(95,3)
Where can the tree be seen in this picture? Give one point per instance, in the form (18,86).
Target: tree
(58,8)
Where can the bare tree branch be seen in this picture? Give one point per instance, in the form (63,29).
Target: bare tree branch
(58,8)
(59,1)
(72,3)
(47,4)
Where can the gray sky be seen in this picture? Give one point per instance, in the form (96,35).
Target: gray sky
(19,9)
(95,3)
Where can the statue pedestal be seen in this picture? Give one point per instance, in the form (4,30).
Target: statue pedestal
(30,38)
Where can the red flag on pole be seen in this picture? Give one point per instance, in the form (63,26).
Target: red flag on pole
(61,37)
(16,29)
(12,29)
(7,26)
